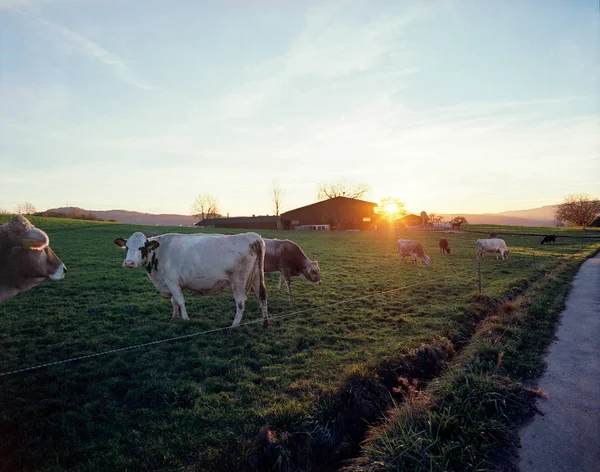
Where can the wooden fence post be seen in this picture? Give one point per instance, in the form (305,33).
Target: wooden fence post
(479,274)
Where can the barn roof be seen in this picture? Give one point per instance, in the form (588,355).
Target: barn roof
(354,200)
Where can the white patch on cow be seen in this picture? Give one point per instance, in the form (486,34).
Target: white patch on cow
(59,274)
(133,258)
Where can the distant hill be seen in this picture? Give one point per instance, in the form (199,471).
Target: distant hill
(134,217)
(542,216)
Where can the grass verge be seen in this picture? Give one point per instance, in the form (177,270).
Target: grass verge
(465,419)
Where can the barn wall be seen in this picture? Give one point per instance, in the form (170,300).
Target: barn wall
(339,213)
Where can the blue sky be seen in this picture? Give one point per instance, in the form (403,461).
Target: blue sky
(451,106)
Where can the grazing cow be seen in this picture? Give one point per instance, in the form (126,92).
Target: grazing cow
(26,259)
(206,264)
(495,245)
(444,245)
(408,247)
(287,258)
(549,239)
(493,235)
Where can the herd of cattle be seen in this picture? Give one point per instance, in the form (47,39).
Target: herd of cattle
(206,264)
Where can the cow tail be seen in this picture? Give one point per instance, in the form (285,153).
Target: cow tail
(261,268)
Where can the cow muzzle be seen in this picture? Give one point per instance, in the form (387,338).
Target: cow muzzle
(59,274)
(129,264)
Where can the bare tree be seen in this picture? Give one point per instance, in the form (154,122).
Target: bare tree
(277,196)
(26,208)
(4,211)
(578,210)
(205,206)
(342,188)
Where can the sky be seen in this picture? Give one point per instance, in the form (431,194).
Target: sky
(451,106)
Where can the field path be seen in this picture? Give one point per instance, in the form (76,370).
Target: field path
(567,436)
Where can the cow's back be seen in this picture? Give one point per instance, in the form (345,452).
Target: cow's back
(282,253)
(409,247)
(201,261)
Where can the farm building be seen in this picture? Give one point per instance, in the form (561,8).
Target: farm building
(339,213)
(242,222)
(408,220)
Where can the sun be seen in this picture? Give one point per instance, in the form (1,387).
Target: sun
(390,209)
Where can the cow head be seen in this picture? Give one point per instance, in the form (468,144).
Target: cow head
(138,249)
(426,259)
(26,258)
(313,273)
(505,255)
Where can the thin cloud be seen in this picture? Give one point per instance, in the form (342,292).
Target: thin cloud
(71,41)
(326,49)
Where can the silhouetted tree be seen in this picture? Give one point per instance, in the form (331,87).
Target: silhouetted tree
(205,206)
(458,221)
(435,218)
(26,208)
(342,188)
(578,210)
(276,195)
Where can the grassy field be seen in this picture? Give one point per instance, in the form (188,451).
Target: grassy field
(200,402)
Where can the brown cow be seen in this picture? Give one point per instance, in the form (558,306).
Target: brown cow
(444,245)
(493,235)
(286,257)
(26,259)
(408,247)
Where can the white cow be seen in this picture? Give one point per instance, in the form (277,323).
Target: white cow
(496,245)
(408,247)
(206,264)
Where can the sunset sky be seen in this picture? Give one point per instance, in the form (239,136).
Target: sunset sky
(451,106)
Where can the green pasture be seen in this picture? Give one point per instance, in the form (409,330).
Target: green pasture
(200,401)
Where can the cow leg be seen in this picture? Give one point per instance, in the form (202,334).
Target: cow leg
(287,279)
(176,313)
(260,290)
(240,305)
(280,281)
(177,299)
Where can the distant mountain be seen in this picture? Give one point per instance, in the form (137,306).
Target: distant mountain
(542,216)
(134,217)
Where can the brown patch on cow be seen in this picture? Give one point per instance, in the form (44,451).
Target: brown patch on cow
(256,248)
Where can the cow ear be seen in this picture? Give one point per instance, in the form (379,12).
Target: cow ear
(120,242)
(152,245)
(315,263)
(35,239)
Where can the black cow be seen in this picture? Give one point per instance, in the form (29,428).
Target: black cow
(549,239)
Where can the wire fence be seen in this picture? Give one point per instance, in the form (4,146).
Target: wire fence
(478,278)
(224,328)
